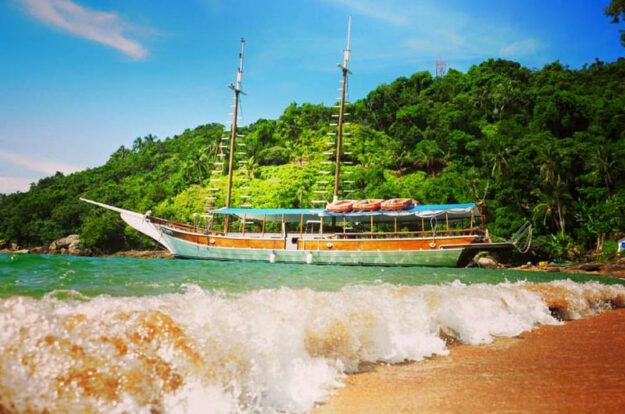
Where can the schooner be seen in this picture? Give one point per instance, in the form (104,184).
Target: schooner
(397,232)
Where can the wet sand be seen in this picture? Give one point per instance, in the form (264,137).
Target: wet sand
(576,367)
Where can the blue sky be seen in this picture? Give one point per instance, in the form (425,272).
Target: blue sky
(80,78)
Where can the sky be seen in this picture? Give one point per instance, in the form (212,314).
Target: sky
(80,78)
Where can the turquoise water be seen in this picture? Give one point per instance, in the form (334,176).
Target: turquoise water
(36,275)
(85,334)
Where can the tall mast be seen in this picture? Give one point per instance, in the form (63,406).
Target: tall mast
(237,91)
(339,139)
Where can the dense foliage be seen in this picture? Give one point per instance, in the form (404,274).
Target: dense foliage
(545,145)
(616,10)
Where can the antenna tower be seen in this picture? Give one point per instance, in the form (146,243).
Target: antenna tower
(441,67)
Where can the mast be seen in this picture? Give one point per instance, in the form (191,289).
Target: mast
(339,139)
(237,91)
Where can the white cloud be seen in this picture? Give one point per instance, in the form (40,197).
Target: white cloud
(12,184)
(102,27)
(376,9)
(427,30)
(38,164)
(521,48)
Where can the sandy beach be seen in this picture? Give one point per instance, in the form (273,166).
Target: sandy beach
(576,367)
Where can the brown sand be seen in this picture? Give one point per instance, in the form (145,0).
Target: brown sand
(574,368)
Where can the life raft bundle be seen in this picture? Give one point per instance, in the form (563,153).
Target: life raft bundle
(396,204)
(373,204)
(341,206)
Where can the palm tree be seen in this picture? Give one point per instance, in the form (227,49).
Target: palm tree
(603,162)
(553,166)
(301,193)
(149,140)
(137,144)
(553,204)
(251,166)
(554,162)
(428,154)
(497,154)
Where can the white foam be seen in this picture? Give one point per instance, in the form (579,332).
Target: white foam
(274,350)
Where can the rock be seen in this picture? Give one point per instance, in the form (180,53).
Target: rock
(487,263)
(589,267)
(553,268)
(14,246)
(613,269)
(144,254)
(38,250)
(74,248)
(67,244)
(3,244)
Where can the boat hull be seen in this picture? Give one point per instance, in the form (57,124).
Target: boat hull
(183,241)
(439,257)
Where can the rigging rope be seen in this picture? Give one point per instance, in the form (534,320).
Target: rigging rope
(526,230)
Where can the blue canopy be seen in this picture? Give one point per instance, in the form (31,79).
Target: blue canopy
(453,211)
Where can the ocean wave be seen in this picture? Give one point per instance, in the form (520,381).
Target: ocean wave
(272,350)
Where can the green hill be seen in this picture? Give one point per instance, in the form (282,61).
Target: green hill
(546,145)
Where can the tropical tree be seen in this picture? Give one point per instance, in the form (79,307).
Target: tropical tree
(428,155)
(553,204)
(616,10)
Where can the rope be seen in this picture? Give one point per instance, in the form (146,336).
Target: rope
(525,230)
(375,118)
(529,242)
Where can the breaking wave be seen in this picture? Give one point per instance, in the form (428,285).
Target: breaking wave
(273,350)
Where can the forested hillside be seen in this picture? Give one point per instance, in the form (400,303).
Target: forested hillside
(545,145)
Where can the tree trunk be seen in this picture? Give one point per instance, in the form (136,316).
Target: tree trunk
(560,219)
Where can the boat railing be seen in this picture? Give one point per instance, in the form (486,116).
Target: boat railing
(325,235)
(467,231)
(184,227)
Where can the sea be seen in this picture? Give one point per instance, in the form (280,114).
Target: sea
(115,335)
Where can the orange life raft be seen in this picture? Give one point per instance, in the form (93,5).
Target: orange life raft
(397,204)
(368,205)
(341,206)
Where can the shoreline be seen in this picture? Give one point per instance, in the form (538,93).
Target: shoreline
(614,268)
(139,254)
(575,367)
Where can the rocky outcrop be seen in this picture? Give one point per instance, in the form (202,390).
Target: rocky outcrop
(38,250)
(6,248)
(144,254)
(612,269)
(69,245)
(486,262)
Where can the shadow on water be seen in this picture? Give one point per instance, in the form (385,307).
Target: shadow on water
(36,275)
